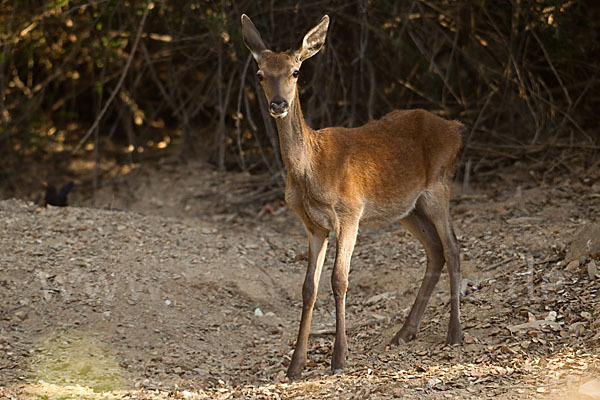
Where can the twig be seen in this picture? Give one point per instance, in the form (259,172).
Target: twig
(6,51)
(496,265)
(581,95)
(531,264)
(566,115)
(450,59)
(524,89)
(436,68)
(254,130)
(239,111)
(271,134)
(466,176)
(476,124)
(119,84)
(560,82)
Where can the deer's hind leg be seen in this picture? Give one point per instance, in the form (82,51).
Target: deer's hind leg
(420,224)
(438,207)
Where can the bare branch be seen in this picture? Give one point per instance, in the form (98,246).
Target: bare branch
(119,83)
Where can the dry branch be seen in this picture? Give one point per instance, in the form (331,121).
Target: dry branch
(119,83)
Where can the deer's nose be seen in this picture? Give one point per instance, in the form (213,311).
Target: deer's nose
(278,106)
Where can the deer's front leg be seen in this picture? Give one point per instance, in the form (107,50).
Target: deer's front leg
(317,246)
(346,238)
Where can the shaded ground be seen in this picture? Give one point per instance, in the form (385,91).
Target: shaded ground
(175,288)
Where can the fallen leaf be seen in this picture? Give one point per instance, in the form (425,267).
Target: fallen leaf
(533,325)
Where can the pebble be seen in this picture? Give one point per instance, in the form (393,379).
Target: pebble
(22,315)
(432,382)
(258,312)
(572,266)
(592,270)
(551,316)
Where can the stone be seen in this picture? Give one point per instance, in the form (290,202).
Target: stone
(592,270)
(585,242)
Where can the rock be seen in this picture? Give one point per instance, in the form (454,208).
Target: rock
(592,270)
(466,286)
(468,339)
(578,328)
(22,315)
(291,253)
(590,390)
(585,242)
(432,382)
(573,265)
(258,312)
(551,316)
(586,315)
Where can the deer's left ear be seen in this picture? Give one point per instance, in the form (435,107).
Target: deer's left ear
(314,40)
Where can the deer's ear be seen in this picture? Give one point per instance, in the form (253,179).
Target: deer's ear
(314,40)
(252,38)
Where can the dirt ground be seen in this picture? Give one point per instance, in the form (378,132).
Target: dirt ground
(173,287)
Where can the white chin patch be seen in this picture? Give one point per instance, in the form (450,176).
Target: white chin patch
(282,115)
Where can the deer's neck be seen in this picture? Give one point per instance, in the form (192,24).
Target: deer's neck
(295,140)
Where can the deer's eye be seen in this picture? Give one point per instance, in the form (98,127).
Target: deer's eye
(295,73)
(259,76)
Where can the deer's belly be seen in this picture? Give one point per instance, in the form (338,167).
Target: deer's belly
(383,212)
(324,212)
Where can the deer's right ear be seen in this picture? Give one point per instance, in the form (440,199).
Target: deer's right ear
(252,38)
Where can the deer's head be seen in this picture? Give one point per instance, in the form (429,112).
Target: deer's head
(278,72)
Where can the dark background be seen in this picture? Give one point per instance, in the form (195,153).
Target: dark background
(92,90)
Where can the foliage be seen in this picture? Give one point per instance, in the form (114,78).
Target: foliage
(518,73)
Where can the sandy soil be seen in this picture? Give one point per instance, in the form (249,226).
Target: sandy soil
(178,288)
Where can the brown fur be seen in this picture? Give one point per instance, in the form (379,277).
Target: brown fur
(400,166)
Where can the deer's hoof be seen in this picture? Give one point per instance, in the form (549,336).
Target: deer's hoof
(293,375)
(403,334)
(454,337)
(295,369)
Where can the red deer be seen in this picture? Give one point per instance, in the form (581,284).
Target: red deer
(400,166)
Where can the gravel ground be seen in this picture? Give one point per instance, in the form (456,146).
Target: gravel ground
(186,293)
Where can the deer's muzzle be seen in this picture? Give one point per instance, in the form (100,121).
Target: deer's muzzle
(278,108)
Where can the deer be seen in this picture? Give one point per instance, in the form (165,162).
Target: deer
(400,166)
